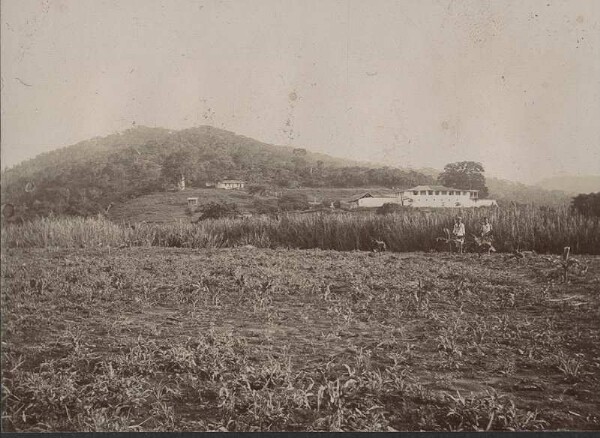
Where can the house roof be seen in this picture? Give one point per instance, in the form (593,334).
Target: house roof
(364,195)
(374,196)
(438,188)
(231,181)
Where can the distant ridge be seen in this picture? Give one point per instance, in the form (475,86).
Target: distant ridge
(572,184)
(505,191)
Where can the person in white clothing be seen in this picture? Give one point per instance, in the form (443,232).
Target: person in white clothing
(459,233)
(486,228)
(486,235)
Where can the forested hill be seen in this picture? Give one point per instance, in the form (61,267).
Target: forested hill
(84,179)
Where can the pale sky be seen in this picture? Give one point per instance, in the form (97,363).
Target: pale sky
(420,83)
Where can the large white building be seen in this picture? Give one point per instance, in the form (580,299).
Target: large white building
(440,196)
(426,196)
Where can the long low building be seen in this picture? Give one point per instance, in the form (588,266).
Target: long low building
(440,196)
(230,184)
(425,196)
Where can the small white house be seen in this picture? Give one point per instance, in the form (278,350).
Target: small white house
(231,184)
(440,196)
(192,202)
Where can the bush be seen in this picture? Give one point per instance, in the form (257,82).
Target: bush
(588,205)
(214,210)
(258,189)
(326,203)
(265,206)
(390,208)
(293,201)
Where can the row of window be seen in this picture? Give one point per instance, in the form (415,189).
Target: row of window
(436,192)
(443,201)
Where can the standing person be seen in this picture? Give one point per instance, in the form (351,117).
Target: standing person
(459,233)
(486,228)
(486,235)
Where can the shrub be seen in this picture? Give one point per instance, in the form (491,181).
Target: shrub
(293,201)
(215,210)
(326,203)
(588,205)
(266,206)
(390,208)
(258,189)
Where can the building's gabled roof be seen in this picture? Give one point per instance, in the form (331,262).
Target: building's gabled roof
(371,195)
(438,188)
(364,195)
(231,181)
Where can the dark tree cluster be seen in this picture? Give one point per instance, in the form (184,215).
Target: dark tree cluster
(215,210)
(293,202)
(587,204)
(364,177)
(466,175)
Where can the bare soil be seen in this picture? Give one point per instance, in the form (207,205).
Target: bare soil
(141,339)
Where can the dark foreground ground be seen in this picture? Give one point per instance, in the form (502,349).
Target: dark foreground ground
(147,339)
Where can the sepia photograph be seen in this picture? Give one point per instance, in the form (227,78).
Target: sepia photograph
(300,215)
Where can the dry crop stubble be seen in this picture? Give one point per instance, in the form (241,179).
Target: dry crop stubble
(258,339)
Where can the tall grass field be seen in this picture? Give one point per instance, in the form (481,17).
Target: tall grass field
(525,228)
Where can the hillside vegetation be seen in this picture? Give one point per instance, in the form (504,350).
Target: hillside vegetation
(84,179)
(164,207)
